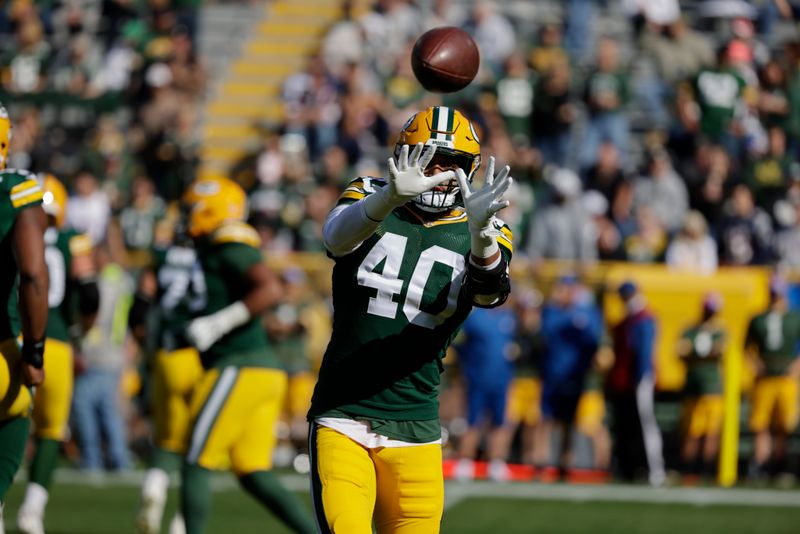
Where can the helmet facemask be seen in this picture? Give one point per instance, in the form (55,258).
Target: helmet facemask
(457,146)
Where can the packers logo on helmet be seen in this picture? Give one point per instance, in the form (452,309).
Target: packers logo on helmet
(5,136)
(456,142)
(55,197)
(211,202)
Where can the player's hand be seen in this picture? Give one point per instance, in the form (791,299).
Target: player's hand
(483,204)
(203,332)
(407,178)
(32,376)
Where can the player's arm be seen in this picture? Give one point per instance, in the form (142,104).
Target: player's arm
(28,248)
(83,272)
(146,289)
(487,280)
(264,290)
(751,349)
(347,226)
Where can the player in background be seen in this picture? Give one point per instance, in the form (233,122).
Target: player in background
(23,306)
(73,288)
(702,347)
(413,254)
(236,405)
(772,342)
(168,295)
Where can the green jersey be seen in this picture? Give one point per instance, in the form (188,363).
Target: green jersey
(19,190)
(777,338)
(181,293)
(60,247)
(397,304)
(718,92)
(225,257)
(704,344)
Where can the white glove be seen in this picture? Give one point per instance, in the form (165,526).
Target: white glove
(482,205)
(204,331)
(407,180)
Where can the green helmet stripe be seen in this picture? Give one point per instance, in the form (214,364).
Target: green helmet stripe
(450,120)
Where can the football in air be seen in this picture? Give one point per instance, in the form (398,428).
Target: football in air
(445,59)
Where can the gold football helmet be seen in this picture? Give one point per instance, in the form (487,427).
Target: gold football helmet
(55,197)
(211,202)
(457,143)
(5,136)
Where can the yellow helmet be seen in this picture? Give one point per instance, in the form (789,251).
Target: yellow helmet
(5,136)
(211,202)
(454,137)
(55,198)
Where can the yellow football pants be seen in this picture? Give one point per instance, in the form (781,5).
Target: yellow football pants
(704,415)
(524,401)
(233,415)
(175,374)
(590,412)
(403,486)
(53,397)
(774,402)
(15,398)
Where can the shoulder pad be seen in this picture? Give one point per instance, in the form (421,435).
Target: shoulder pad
(22,186)
(80,245)
(359,188)
(236,232)
(505,238)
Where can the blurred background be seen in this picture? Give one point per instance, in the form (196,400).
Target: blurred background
(654,146)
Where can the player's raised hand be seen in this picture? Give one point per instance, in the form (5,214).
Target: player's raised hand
(407,177)
(484,203)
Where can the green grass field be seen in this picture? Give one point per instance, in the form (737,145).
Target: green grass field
(80,507)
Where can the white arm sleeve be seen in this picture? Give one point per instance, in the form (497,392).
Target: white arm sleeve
(346,228)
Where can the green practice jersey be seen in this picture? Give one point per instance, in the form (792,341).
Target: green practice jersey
(705,344)
(19,190)
(777,338)
(397,303)
(60,247)
(225,257)
(181,293)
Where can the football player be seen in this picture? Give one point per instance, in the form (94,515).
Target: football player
(174,288)
(413,254)
(236,404)
(23,305)
(70,266)
(773,339)
(702,347)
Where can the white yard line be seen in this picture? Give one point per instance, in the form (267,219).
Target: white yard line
(456,492)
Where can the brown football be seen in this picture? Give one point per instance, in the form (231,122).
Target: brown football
(445,59)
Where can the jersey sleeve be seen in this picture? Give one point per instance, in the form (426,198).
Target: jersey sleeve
(24,191)
(505,238)
(358,189)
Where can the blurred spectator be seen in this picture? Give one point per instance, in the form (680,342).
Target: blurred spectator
(387,28)
(648,242)
(629,386)
(90,208)
(571,327)
(95,406)
(702,347)
(515,97)
(138,221)
(344,41)
(493,33)
(693,250)
(485,356)
(713,185)
(746,235)
(679,52)
(772,342)
(662,190)
(606,175)
(524,393)
(554,113)
(788,240)
(591,412)
(773,97)
(606,94)
(578,18)
(768,176)
(562,229)
(609,240)
(26,64)
(548,50)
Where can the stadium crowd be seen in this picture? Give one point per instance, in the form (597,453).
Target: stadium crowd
(672,137)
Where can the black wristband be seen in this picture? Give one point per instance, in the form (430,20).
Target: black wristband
(487,289)
(33,353)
